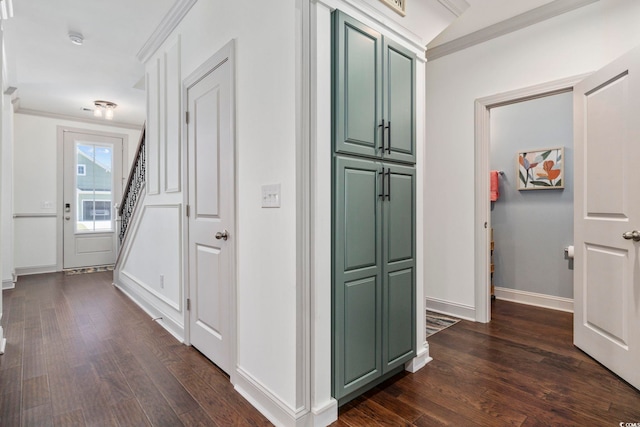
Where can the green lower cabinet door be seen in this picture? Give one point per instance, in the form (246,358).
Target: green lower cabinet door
(399,266)
(357,288)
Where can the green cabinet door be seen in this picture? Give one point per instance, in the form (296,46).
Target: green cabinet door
(373,93)
(398,266)
(357,87)
(357,287)
(398,103)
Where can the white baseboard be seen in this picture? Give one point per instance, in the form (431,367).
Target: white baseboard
(8,284)
(3,341)
(26,271)
(326,414)
(420,361)
(162,319)
(270,405)
(538,300)
(454,309)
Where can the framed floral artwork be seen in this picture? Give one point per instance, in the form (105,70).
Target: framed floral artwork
(541,169)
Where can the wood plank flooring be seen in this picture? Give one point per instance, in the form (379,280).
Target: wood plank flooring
(80,353)
(519,370)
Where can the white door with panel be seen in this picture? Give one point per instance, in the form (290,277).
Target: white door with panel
(92,186)
(607,216)
(211,204)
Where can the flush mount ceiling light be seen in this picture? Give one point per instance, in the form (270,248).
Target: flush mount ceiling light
(76,38)
(105,107)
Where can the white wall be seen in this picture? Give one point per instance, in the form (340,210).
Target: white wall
(35,177)
(6,222)
(571,44)
(265,34)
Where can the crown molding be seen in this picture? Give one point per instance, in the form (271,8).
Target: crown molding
(109,123)
(457,7)
(166,26)
(518,22)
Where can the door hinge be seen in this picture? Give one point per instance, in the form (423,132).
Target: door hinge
(188,304)
(188,210)
(186,117)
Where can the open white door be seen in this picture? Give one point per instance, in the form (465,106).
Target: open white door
(607,211)
(212,205)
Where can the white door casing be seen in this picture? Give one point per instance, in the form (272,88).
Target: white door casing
(606,205)
(92,185)
(211,222)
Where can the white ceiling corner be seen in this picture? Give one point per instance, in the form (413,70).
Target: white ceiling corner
(457,7)
(166,26)
(482,22)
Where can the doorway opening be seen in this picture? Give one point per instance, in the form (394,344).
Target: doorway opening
(483,224)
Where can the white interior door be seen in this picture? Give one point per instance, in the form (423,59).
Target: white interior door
(92,186)
(211,220)
(607,206)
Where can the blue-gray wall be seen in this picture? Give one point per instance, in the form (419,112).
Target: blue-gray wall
(531,228)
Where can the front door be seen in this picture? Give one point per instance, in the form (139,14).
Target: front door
(211,200)
(92,186)
(607,216)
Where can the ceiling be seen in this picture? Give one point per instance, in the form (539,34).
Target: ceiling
(54,76)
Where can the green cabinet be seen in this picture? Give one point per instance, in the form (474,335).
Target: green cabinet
(374,271)
(374,93)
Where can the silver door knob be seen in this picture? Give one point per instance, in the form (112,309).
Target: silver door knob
(632,235)
(67,218)
(224,235)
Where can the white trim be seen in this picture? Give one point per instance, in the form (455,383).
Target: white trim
(269,404)
(109,123)
(455,309)
(372,17)
(303,208)
(324,406)
(38,269)
(8,284)
(154,312)
(482,203)
(457,7)
(420,361)
(532,298)
(169,23)
(518,22)
(326,414)
(3,342)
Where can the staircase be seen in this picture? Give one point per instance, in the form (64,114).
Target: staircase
(133,190)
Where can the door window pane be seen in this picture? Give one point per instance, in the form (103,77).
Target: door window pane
(94,195)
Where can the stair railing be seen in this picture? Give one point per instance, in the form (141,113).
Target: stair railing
(132,190)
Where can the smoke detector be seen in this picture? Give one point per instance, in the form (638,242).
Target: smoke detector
(76,38)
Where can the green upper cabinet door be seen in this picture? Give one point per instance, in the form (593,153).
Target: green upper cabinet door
(399,103)
(373,93)
(357,111)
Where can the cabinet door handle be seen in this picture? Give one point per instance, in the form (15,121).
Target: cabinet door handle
(382,186)
(382,133)
(388,183)
(388,139)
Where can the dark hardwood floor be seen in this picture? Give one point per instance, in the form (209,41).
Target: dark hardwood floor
(79,352)
(521,369)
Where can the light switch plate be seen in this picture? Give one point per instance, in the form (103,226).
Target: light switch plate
(271,196)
